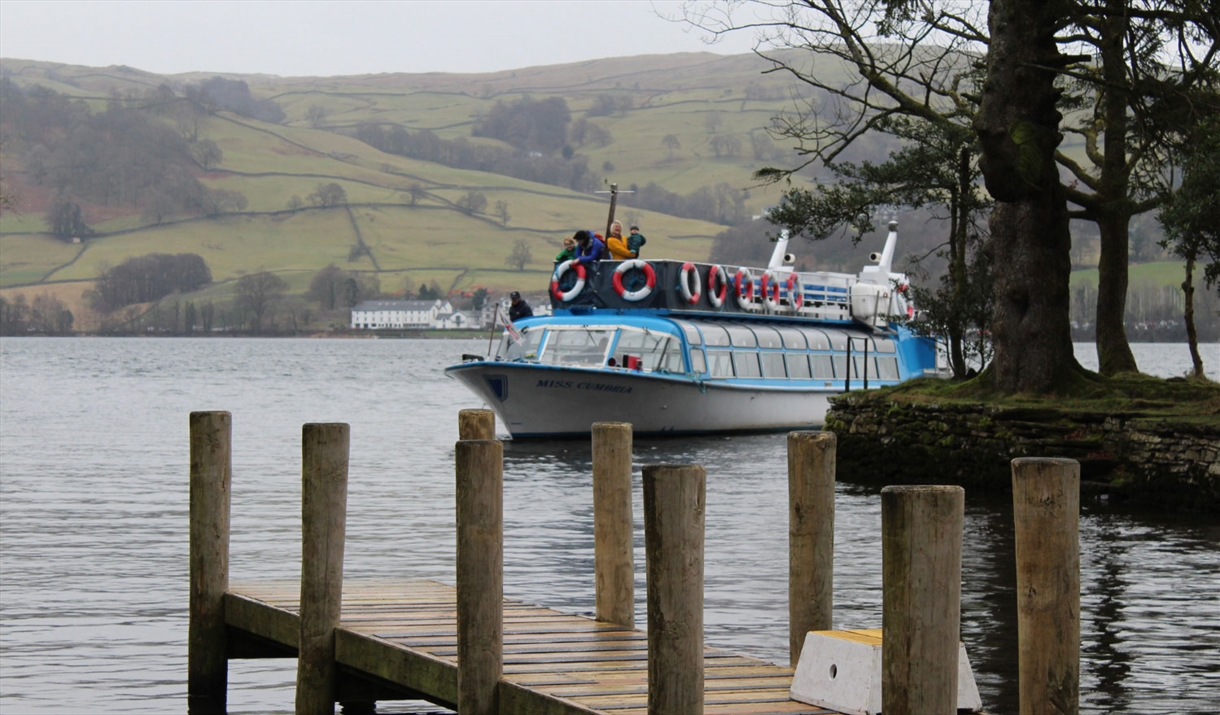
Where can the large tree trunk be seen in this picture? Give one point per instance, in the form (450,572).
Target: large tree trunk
(1113,350)
(1018,126)
(1030,244)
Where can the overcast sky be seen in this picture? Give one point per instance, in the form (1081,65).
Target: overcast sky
(299,37)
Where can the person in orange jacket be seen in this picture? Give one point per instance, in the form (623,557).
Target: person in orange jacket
(618,245)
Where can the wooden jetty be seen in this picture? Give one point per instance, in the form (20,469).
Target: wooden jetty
(399,641)
(466,647)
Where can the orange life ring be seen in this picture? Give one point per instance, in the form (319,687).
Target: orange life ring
(717,286)
(743,288)
(796,292)
(688,288)
(650,277)
(575,290)
(770,290)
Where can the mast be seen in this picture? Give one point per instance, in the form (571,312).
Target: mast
(613,202)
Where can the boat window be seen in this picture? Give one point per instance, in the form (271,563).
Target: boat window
(798,365)
(698,364)
(838,340)
(742,336)
(768,337)
(840,366)
(817,339)
(722,363)
(584,346)
(670,358)
(859,366)
(527,349)
(887,368)
(692,333)
(883,345)
(793,339)
(773,365)
(656,351)
(746,364)
(715,335)
(822,367)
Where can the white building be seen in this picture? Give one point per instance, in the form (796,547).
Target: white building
(457,320)
(390,314)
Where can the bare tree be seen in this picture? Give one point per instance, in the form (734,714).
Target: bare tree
(206,153)
(316,115)
(671,143)
(726,145)
(472,202)
(520,256)
(502,212)
(416,193)
(259,293)
(327,195)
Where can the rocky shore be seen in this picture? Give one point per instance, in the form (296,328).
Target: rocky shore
(1150,461)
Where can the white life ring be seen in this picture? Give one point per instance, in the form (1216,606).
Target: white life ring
(770,290)
(650,276)
(685,283)
(717,286)
(743,288)
(796,292)
(562,269)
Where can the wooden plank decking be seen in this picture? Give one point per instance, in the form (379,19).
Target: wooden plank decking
(403,636)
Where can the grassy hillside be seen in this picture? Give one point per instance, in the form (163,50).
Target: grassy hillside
(407,240)
(272,163)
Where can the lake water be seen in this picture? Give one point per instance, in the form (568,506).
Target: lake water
(93,525)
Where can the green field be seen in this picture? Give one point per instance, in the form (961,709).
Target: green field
(691,96)
(1144,275)
(431,239)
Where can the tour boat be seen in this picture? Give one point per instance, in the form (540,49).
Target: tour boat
(683,348)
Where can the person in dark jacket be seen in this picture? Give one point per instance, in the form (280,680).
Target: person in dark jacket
(589,248)
(518,308)
(636,241)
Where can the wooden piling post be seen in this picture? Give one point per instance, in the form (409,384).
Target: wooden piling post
(480,574)
(1046,512)
(921,565)
(324,459)
(210,482)
(476,424)
(613,524)
(811,536)
(674,503)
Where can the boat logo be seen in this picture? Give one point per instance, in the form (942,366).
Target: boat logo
(498,385)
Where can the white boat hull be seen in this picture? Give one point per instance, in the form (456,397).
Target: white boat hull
(544,401)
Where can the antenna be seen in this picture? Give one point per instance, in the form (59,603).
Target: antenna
(614,192)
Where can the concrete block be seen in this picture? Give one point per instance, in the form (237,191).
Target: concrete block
(841,670)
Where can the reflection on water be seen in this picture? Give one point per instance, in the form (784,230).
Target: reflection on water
(93,533)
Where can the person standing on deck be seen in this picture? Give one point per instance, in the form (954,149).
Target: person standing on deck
(568,252)
(518,308)
(636,241)
(589,250)
(619,250)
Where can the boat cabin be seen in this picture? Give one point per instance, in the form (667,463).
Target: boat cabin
(739,351)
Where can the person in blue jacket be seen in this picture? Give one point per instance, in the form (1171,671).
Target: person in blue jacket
(589,248)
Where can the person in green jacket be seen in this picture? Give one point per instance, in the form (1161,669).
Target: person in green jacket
(568,252)
(636,240)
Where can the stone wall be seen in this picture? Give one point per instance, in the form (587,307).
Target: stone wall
(1128,457)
